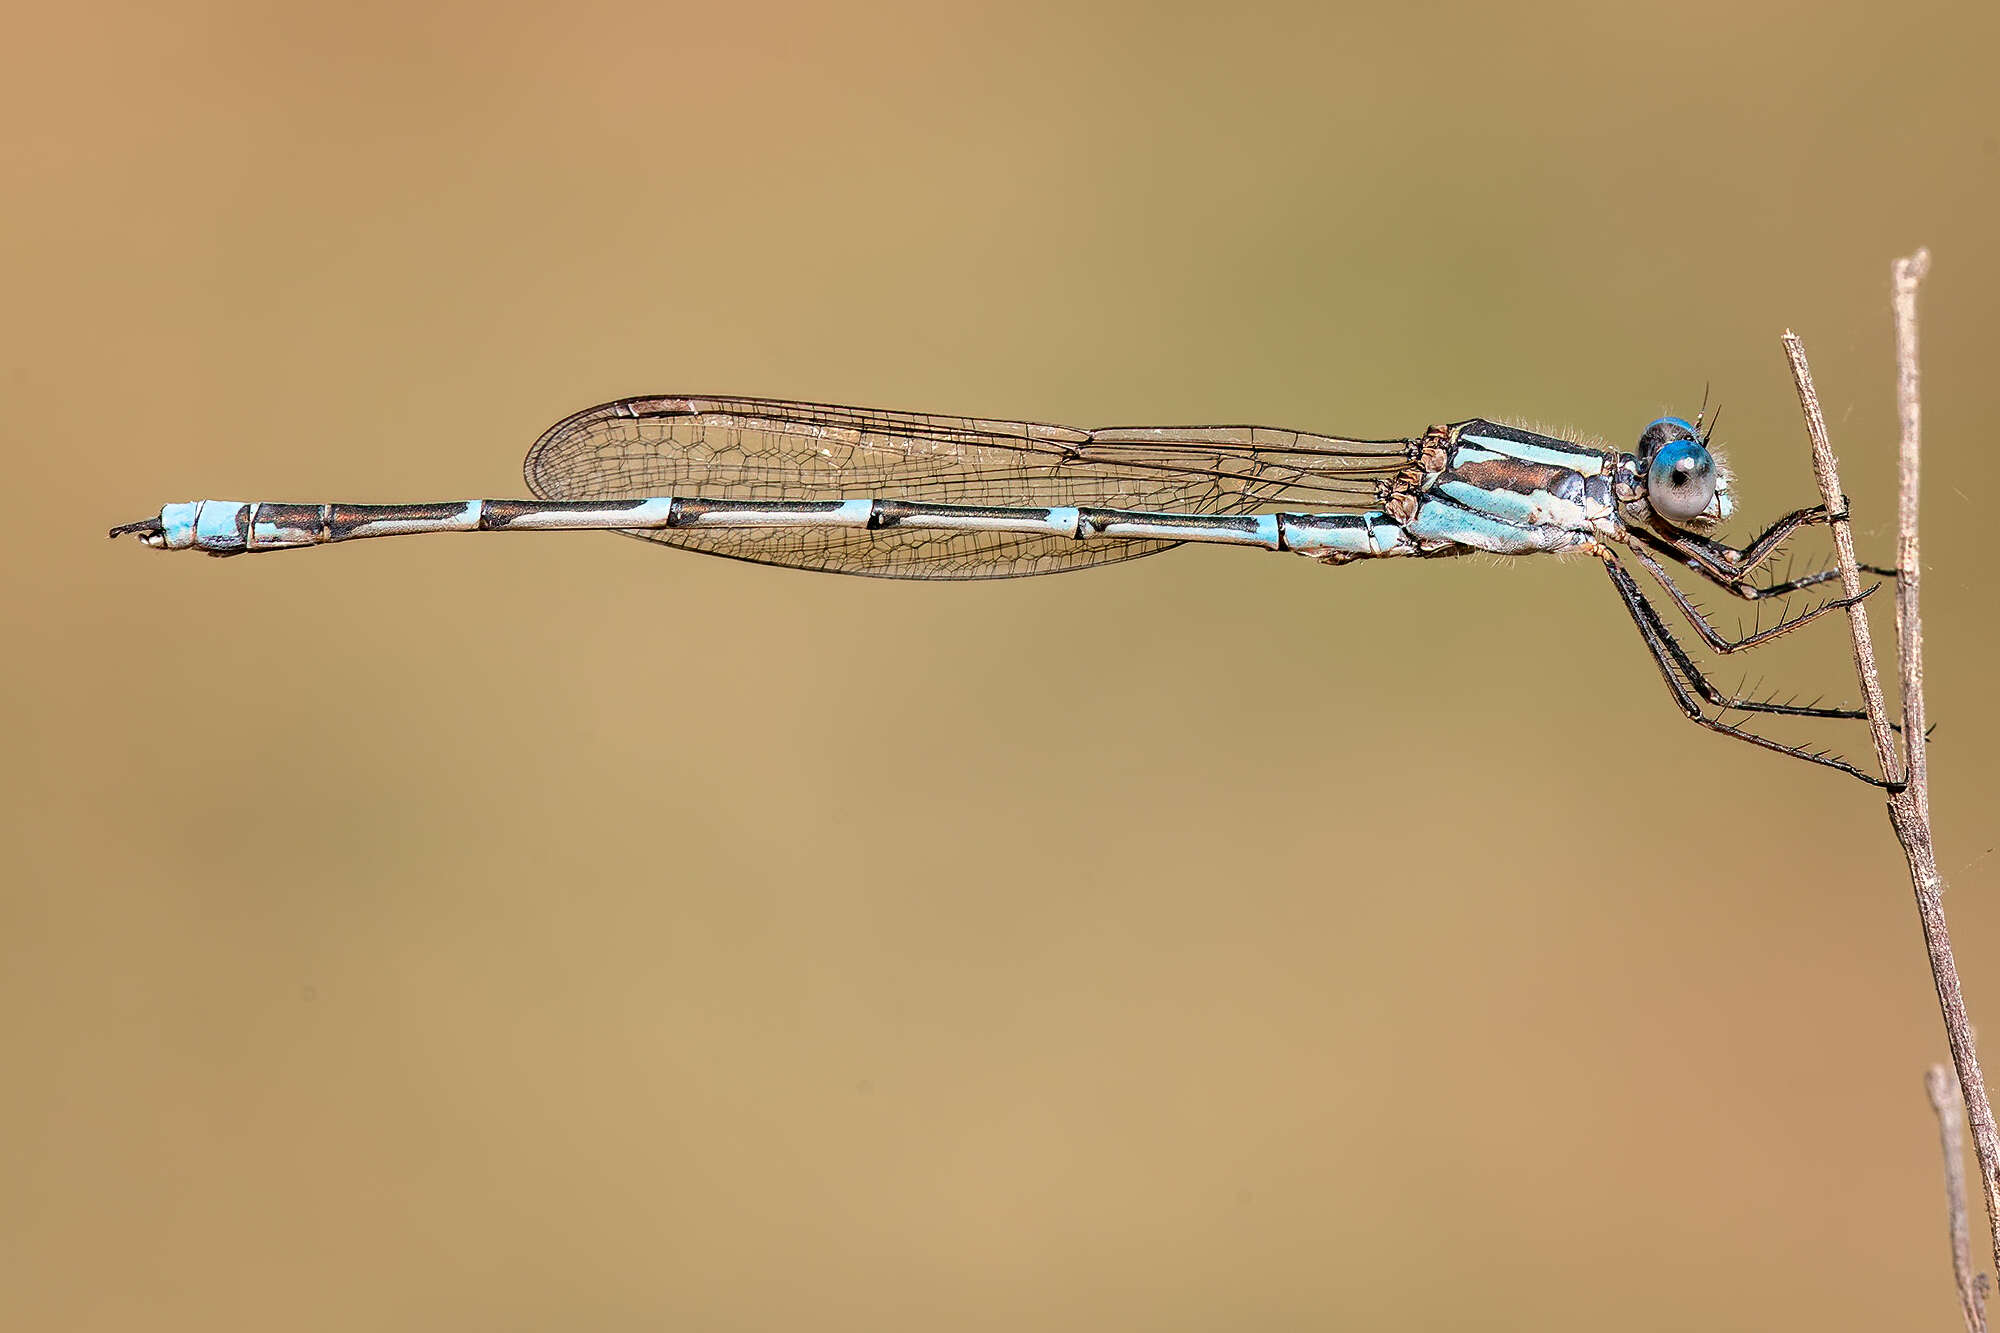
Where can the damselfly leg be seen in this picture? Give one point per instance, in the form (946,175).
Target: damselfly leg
(1691,688)
(1730,567)
(1717,641)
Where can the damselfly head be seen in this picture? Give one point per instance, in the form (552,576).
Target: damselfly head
(1687,483)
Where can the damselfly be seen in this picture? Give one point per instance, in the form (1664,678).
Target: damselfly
(915,496)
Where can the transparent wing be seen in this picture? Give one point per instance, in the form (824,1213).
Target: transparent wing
(755,449)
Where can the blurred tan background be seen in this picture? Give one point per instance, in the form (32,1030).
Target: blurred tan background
(561,932)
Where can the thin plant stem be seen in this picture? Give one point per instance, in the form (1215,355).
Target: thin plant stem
(1907,274)
(1909,803)
(1826,470)
(1943,1090)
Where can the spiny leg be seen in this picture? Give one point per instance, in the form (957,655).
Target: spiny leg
(1688,549)
(1766,543)
(1728,564)
(1715,640)
(1729,567)
(1714,637)
(1700,684)
(1679,671)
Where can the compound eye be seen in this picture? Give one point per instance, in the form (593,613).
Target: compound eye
(1680,481)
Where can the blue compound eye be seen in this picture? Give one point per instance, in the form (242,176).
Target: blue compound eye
(1680,481)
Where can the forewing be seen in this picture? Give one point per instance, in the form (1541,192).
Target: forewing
(754,449)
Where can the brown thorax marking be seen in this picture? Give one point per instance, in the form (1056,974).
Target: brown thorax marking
(1512,474)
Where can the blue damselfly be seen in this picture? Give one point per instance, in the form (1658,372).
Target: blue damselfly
(919,496)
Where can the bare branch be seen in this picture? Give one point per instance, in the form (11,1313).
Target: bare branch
(1908,273)
(1943,1090)
(1909,808)
(1826,469)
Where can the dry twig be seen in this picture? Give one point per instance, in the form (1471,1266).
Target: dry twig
(1909,803)
(1943,1090)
